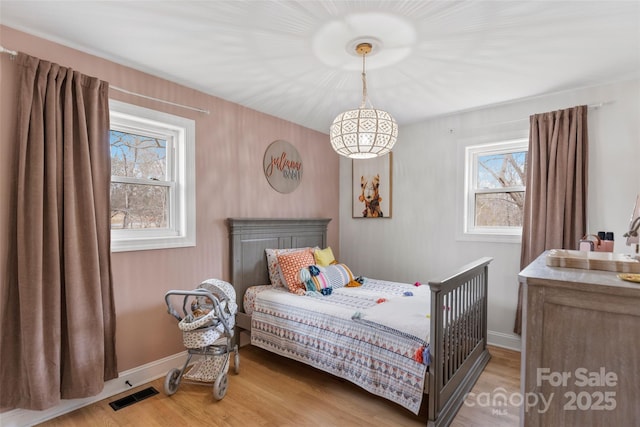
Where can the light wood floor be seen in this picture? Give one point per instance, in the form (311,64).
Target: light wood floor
(273,391)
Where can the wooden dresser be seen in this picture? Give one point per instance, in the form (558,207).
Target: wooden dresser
(581,348)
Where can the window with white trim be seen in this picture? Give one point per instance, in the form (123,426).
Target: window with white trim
(494,189)
(152,179)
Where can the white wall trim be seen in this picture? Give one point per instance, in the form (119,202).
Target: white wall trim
(500,339)
(136,377)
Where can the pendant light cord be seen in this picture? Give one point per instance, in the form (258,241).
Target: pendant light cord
(365,95)
(364,83)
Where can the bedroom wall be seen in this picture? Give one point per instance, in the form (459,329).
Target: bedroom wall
(423,238)
(230,143)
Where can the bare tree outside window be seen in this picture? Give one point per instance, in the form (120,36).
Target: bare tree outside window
(499,198)
(139,184)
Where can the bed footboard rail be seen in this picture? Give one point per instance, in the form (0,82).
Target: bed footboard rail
(458,340)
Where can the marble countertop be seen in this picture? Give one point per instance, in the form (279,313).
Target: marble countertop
(539,273)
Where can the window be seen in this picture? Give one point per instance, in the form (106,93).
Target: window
(494,189)
(152,179)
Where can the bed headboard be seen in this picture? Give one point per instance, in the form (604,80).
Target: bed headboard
(249,237)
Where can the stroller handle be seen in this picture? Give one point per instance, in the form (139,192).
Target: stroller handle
(195,293)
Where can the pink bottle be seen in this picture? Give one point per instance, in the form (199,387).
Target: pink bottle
(608,242)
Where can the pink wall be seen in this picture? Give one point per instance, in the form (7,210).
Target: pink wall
(230,143)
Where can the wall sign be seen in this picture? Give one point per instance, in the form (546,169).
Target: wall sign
(282,166)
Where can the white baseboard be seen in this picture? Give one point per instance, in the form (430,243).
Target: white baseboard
(136,377)
(500,339)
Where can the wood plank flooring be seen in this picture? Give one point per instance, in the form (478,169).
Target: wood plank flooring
(273,391)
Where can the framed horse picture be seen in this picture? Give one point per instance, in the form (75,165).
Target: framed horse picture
(371,187)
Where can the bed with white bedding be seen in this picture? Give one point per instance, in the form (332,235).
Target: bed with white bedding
(403,342)
(350,335)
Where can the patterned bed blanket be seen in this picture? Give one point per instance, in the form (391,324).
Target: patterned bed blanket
(369,335)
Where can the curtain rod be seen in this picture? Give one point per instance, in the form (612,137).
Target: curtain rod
(10,52)
(595,106)
(598,105)
(175,104)
(13,54)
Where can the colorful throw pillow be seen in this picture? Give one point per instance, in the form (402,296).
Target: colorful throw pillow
(275,277)
(290,266)
(315,280)
(339,275)
(324,279)
(324,257)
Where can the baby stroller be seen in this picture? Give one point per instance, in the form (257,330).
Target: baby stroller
(207,330)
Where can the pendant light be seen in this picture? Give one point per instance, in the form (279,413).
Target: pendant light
(363,133)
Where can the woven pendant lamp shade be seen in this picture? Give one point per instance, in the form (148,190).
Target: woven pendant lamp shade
(363,133)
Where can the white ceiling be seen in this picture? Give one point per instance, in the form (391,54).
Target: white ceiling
(295,59)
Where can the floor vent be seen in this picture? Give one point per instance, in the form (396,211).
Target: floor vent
(133,398)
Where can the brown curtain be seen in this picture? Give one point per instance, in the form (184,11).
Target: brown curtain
(58,326)
(555,207)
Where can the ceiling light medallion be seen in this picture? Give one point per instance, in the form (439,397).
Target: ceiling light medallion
(366,132)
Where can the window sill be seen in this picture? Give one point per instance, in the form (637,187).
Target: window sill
(144,244)
(490,238)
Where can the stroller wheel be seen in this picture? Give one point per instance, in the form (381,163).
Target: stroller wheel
(171,381)
(236,361)
(220,387)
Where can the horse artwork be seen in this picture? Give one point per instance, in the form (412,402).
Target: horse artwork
(371,181)
(370,196)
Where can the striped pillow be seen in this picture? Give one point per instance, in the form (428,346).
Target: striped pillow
(331,276)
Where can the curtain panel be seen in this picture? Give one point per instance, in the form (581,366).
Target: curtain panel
(555,207)
(58,326)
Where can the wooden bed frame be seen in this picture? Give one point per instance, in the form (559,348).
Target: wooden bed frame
(458,340)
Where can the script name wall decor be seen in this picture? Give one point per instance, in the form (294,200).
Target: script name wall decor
(282,166)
